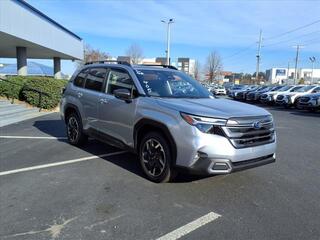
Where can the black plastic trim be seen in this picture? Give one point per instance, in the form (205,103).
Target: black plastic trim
(164,130)
(72,106)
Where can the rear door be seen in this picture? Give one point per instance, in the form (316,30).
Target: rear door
(117,116)
(91,96)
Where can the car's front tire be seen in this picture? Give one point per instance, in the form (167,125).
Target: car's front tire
(155,158)
(75,132)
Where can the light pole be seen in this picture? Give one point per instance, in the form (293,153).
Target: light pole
(312,59)
(168,38)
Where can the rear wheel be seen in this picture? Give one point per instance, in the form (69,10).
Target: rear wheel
(155,158)
(75,131)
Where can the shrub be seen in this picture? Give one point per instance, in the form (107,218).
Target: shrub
(48,85)
(13,89)
(18,89)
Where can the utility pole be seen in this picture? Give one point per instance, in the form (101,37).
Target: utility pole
(296,64)
(288,71)
(258,56)
(168,38)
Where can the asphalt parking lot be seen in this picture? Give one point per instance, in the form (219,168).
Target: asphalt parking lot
(52,190)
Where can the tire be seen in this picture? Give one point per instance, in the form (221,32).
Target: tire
(75,132)
(155,158)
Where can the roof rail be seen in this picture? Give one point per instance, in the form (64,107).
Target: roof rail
(159,65)
(108,61)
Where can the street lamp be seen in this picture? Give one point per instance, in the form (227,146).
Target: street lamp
(312,59)
(168,38)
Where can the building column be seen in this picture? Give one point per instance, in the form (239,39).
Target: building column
(57,67)
(21,53)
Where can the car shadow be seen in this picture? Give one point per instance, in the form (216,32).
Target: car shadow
(128,161)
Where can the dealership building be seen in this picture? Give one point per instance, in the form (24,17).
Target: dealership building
(286,75)
(183,64)
(27,33)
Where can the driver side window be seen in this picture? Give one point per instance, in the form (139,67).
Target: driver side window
(119,79)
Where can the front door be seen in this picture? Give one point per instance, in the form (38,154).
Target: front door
(116,117)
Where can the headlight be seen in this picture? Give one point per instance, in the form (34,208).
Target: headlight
(204,124)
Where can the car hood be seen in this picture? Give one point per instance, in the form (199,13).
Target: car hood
(297,93)
(281,92)
(219,108)
(274,92)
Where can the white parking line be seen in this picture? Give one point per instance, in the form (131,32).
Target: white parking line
(31,137)
(188,228)
(58,163)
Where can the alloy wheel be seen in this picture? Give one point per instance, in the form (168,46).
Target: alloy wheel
(153,157)
(73,129)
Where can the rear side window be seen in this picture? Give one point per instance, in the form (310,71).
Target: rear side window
(80,78)
(95,78)
(119,79)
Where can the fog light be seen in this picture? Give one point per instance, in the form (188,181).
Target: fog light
(220,166)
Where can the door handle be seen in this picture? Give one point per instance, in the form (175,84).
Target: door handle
(103,100)
(80,94)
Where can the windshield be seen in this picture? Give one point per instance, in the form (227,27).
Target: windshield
(295,89)
(170,84)
(305,89)
(285,88)
(262,88)
(276,88)
(238,87)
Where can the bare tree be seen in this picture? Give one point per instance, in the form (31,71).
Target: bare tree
(197,70)
(91,54)
(213,66)
(135,53)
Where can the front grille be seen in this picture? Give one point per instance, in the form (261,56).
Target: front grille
(247,133)
(250,95)
(304,99)
(280,97)
(240,94)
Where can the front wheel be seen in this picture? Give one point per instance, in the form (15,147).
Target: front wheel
(155,158)
(75,131)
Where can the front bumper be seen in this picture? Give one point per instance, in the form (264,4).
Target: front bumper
(209,154)
(225,166)
(311,104)
(268,99)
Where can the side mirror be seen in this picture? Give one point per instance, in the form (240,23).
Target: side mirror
(123,94)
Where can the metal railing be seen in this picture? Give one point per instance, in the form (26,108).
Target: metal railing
(27,88)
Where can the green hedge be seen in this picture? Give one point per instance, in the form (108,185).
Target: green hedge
(45,84)
(12,90)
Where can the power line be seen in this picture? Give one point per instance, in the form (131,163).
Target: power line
(291,39)
(308,42)
(240,51)
(293,30)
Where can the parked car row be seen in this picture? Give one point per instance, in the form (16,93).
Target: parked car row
(216,89)
(298,96)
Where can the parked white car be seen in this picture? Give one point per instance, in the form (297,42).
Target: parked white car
(271,97)
(219,90)
(291,99)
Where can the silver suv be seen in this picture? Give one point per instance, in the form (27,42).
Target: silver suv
(170,120)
